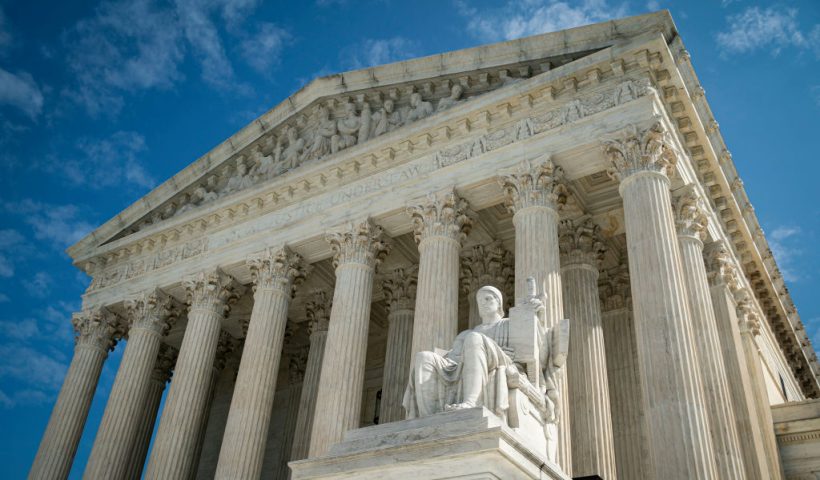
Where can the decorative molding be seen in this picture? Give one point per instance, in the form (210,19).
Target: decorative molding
(360,243)
(155,252)
(490,264)
(614,288)
(164,366)
(690,213)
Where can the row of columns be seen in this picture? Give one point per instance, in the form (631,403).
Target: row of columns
(689,420)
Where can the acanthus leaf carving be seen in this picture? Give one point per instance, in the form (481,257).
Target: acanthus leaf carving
(638,149)
(212,290)
(443,214)
(490,264)
(614,287)
(690,213)
(164,366)
(537,183)
(154,310)
(278,268)
(399,287)
(96,328)
(361,243)
(317,310)
(721,268)
(580,242)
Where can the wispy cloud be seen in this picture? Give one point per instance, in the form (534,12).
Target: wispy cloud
(21,91)
(57,225)
(39,286)
(373,51)
(773,28)
(263,49)
(5,31)
(133,45)
(11,241)
(522,18)
(783,243)
(112,161)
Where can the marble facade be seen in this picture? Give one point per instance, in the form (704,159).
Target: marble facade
(280,286)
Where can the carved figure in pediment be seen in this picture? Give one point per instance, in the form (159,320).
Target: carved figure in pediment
(572,111)
(264,166)
(367,123)
(625,92)
(387,119)
(323,141)
(198,197)
(241,178)
(455,96)
(293,152)
(348,127)
(418,108)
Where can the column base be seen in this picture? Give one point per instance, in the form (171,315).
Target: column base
(464,444)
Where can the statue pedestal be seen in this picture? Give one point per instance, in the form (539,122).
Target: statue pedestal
(463,444)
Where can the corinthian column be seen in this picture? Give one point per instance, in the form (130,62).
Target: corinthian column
(439,225)
(400,291)
(275,273)
(149,316)
(749,323)
(484,265)
(356,253)
(677,427)
(582,250)
(690,216)
(534,194)
(176,443)
(94,338)
(318,314)
(724,280)
(160,376)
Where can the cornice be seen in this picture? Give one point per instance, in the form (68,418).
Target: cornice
(543,48)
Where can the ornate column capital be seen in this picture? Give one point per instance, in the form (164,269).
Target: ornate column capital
(226,346)
(580,242)
(490,264)
(318,311)
(721,268)
(747,317)
(690,213)
(297,364)
(213,290)
(443,214)
(153,310)
(638,149)
(614,288)
(361,243)
(399,287)
(96,327)
(538,183)
(164,366)
(278,268)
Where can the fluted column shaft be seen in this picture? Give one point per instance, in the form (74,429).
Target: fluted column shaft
(113,445)
(246,433)
(95,332)
(181,425)
(440,226)
(534,194)
(715,383)
(399,288)
(749,330)
(338,401)
(592,445)
(680,445)
(628,429)
(310,387)
(159,378)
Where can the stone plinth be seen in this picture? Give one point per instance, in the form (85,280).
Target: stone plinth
(797,426)
(464,444)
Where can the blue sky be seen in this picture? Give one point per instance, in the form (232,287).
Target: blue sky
(101,101)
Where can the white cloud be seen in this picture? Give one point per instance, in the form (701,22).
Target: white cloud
(20,91)
(782,242)
(530,17)
(39,285)
(774,28)
(11,243)
(263,49)
(30,366)
(371,52)
(59,225)
(24,397)
(20,330)
(104,162)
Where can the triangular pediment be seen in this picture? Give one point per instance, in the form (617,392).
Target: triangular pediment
(342,111)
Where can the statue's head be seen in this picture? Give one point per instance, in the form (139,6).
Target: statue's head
(490,303)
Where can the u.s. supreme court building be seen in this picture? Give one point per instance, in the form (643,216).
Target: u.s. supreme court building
(310,295)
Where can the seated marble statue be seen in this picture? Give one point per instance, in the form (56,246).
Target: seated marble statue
(474,372)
